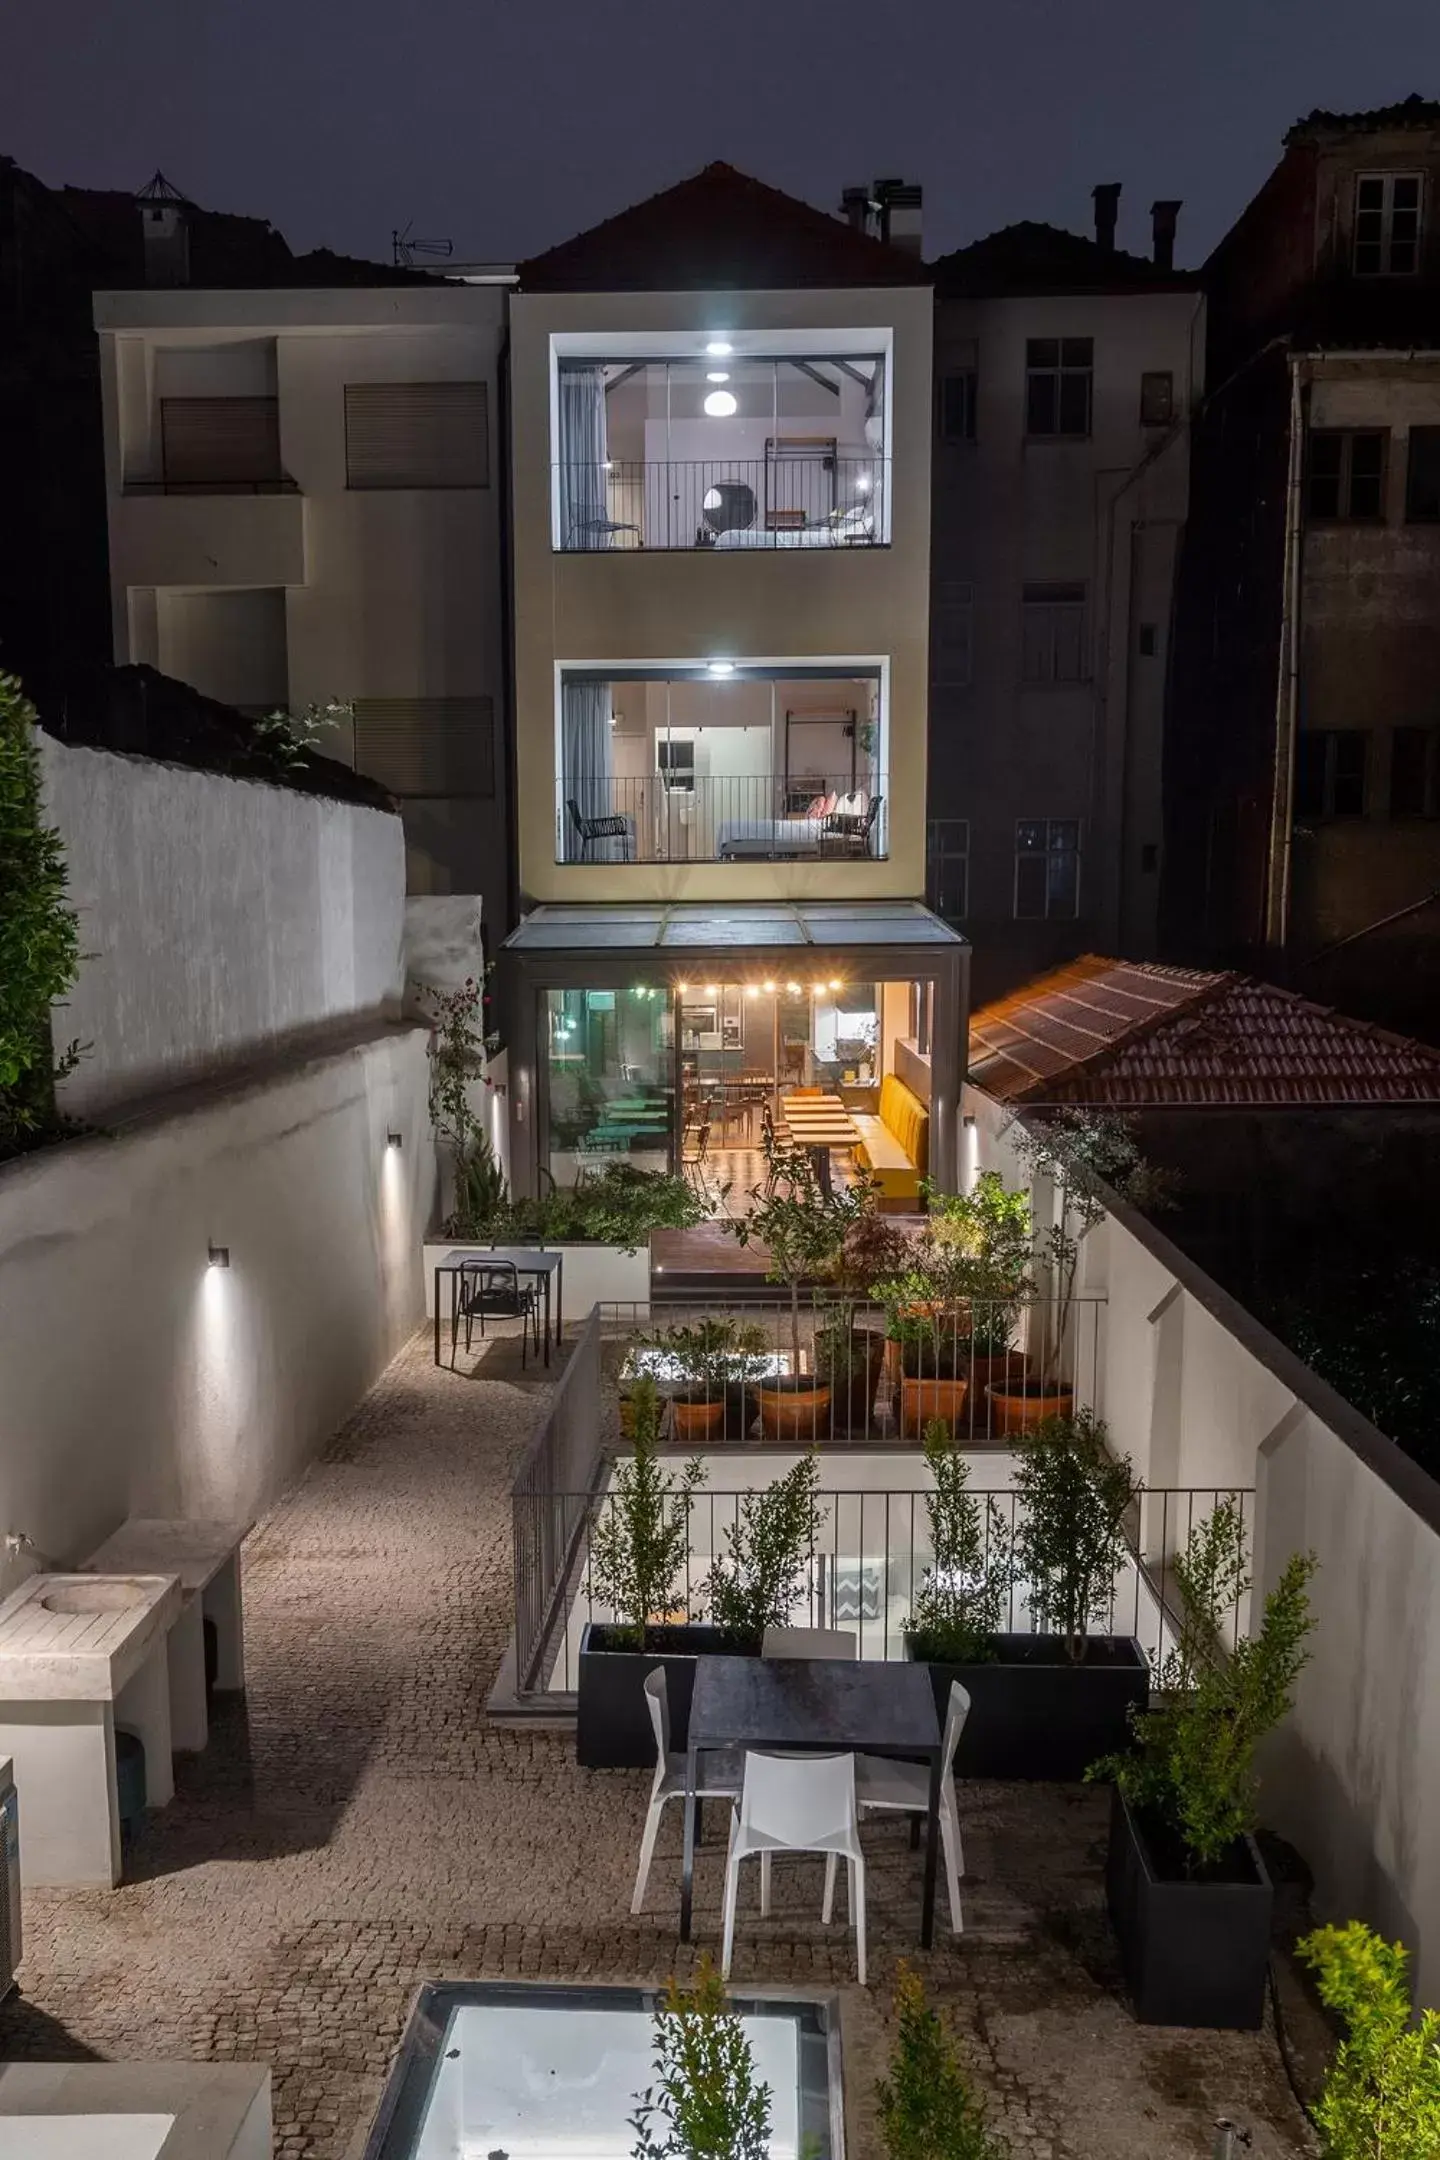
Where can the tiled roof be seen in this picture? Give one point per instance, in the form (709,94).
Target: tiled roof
(1034,258)
(1134,1036)
(719,231)
(1411,112)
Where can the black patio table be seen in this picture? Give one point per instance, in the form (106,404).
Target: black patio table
(828,1706)
(531,1260)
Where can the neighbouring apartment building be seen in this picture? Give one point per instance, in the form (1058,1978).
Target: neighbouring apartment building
(304,485)
(1303,771)
(1066,372)
(720,406)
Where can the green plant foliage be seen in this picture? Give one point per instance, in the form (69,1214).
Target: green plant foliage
(755,1582)
(291,737)
(1193,1768)
(929,2108)
(1382,2092)
(958,1608)
(640,1544)
(802,1228)
(1070,1547)
(459,1047)
(39,942)
(714,1354)
(707,2102)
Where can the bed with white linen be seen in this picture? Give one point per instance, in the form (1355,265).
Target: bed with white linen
(761,836)
(856,528)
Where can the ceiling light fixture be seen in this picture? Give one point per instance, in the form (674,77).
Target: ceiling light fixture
(717,349)
(720,668)
(712,989)
(769,989)
(718,374)
(793,989)
(720,404)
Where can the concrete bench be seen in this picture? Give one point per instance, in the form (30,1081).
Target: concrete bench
(206,1557)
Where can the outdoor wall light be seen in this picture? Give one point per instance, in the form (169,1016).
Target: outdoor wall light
(219,1255)
(969,1118)
(717,349)
(720,404)
(392,1139)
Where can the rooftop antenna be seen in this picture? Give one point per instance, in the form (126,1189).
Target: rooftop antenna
(404,247)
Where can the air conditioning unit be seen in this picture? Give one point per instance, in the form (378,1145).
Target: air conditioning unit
(9,1879)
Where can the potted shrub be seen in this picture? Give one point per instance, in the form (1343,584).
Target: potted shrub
(929,2109)
(958,1298)
(1382,2091)
(707,2102)
(1189,1896)
(639,1556)
(720,1362)
(850,1356)
(804,1231)
(756,1582)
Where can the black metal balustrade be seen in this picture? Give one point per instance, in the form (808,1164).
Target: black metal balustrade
(680,815)
(722,504)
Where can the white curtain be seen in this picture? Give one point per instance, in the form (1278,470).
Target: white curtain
(587,764)
(584,514)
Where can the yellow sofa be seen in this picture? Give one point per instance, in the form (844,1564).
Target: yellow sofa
(895,1145)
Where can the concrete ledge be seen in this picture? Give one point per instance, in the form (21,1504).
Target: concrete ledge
(221,2111)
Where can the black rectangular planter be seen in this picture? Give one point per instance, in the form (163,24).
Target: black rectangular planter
(612,1722)
(1034,1714)
(1193,1953)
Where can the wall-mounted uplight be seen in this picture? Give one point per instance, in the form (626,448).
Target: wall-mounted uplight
(720,404)
(719,668)
(219,1255)
(968,1119)
(717,349)
(393,1139)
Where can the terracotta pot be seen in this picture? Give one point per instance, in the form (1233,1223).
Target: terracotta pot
(696,1423)
(794,1416)
(922,1400)
(1020,1409)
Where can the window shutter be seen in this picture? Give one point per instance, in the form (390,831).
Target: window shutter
(220,441)
(427,747)
(417,435)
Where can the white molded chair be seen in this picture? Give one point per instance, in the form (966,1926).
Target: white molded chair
(797,1803)
(719,1774)
(816,1642)
(905,1786)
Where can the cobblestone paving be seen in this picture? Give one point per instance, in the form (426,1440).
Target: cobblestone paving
(358,1827)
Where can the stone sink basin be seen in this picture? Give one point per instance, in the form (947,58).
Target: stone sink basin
(81,1637)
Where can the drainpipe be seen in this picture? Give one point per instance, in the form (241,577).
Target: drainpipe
(1287,694)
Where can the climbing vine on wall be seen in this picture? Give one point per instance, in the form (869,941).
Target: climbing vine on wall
(39,944)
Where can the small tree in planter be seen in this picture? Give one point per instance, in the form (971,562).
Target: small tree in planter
(1188,1891)
(851,1358)
(1073,1495)
(459,1047)
(755,1582)
(957,1611)
(720,1362)
(707,2102)
(803,1229)
(1382,2092)
(929,2109)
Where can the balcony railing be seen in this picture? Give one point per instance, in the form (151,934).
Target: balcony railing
(754,817)
(725,504)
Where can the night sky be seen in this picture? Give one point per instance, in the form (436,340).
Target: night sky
(508,127)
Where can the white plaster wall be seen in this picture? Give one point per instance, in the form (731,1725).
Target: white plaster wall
(217,917)
(134,1378)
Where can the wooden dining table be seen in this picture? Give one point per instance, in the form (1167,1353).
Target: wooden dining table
(819,1123)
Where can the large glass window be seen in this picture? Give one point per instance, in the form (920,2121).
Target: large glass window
(609,1062)
(721,451)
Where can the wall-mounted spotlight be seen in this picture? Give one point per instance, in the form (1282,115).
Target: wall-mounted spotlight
(969,1118)
(392,1139)
(219,1255)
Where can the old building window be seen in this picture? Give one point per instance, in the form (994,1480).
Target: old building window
(1422,476)
(1157,398)
(953,633)
(427,747)
(1052,641)
(1330,772)
(955,396)
(1387,224)
(1415,772)
(1059,375)
(1047,869)
(417,435)
(1346,473)
(947,868)
(220,445)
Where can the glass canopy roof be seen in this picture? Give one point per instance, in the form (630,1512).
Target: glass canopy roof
(709,927)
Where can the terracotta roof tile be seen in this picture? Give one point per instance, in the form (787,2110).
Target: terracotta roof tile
(1131,1035)
(1035,258)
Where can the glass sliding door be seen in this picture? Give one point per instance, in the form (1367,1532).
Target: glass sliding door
(608,1060)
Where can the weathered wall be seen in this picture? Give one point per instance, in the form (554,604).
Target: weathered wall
(217,918)
(134,1377)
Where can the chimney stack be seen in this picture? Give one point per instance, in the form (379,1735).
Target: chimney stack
(164,232)
(901,203)
(855,208)
(1107,214)
(1164,216)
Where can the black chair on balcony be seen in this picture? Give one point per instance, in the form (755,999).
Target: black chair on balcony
(591,829)
(847,833)
(492,1290)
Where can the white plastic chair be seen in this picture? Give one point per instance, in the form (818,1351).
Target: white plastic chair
(905,1786)
(797,1803)
(816,1642)
(719,1774)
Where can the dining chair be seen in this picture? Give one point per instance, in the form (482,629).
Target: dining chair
(797,1803)
(905,1787)
(492,1290)
(694,1155)
(719,1775)
(811,1642)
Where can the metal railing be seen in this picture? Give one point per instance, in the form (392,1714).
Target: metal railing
(722,503)
(552,1497)
(684,816)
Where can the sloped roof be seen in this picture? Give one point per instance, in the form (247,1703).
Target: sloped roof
(1411,112)
(719,231)
(226,249)
(1134,1036)
(1036,258)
